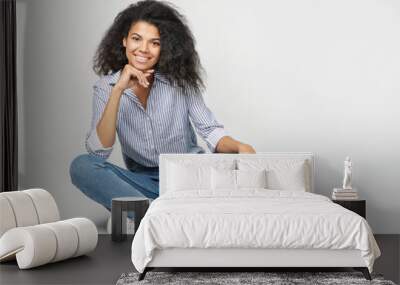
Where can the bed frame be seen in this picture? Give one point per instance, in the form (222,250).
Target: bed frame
(245,259)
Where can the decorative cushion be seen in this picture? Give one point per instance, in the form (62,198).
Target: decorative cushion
(31,233)
(282,174)
(87,233)
(223,179)
(45,205)
(187,175)
(251,178)
(183,178)
(27,208)
(24,211)
(67,237)
(196,174)
(40,244)
(7,220)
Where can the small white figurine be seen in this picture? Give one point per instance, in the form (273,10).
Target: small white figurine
(347,173)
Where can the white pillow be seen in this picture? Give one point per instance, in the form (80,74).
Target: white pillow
(187,174)
(282,174)
(287,179)
(226,179)
(223,179)
(251,178)
(183,177)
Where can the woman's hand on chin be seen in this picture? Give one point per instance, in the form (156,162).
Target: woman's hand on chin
(130,76)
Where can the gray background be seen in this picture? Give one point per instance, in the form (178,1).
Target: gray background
(319,76)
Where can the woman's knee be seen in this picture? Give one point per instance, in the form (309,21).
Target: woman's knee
(82,166)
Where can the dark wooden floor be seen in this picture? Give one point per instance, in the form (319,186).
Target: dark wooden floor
(102,266)
(110,260)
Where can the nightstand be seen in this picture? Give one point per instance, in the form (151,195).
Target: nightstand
(357,206)
(119,211)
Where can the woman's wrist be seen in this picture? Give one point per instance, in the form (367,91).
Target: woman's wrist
(229,145)
(117,90)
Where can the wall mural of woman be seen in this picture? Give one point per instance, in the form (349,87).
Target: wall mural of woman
(150,94)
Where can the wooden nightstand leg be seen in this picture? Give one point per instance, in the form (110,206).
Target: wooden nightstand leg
(364,271)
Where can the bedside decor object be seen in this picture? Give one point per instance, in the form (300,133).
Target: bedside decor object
(119,212)
(31,231)
(346,192)
(348,165)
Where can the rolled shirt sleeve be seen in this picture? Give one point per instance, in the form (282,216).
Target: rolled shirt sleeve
(92,142)
(204,120)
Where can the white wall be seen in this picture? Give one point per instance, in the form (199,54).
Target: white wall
(282,75)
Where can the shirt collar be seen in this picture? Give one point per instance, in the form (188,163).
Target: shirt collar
(157,75)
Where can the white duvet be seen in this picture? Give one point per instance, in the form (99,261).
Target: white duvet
(252,218)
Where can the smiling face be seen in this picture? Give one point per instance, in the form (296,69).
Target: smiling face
(142,45)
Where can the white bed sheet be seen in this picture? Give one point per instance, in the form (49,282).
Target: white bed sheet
(251,218)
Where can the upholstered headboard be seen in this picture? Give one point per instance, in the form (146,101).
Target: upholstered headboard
(214,158)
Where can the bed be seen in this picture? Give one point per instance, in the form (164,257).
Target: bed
(245,211)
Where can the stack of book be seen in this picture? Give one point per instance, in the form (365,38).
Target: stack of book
(344,194)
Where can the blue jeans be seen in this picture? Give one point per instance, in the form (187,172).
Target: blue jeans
(102,181)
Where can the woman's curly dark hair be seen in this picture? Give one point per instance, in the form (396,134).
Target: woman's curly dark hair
(179,62)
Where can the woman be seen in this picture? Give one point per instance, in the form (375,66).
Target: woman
(150,88)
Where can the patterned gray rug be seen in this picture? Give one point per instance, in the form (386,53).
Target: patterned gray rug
(242,278)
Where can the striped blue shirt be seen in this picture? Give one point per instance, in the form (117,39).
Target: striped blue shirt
(165,126)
